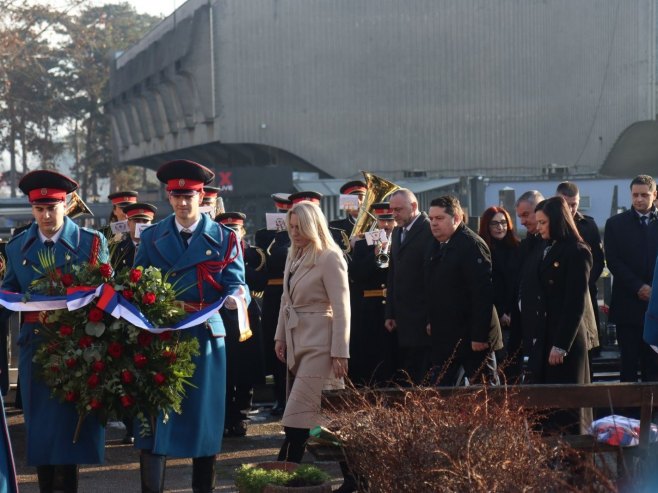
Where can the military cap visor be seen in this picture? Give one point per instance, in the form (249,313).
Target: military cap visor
(46,186)
(184,177)
(210,193)
(382,210)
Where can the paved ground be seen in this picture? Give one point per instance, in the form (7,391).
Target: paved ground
(120,473)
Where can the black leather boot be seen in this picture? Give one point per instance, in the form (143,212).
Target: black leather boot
(152,472)
(66,478)
(203,474)
(45,476)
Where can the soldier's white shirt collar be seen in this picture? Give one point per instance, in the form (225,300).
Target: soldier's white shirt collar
(190,228)
(54,237)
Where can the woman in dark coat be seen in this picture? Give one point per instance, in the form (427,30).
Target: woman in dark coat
(497,230)
(559,351)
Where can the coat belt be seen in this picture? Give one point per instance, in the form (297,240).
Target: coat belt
(292,319)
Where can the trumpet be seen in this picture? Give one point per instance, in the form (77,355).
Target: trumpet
(383,257)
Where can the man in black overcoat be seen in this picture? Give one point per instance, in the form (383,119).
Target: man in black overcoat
(530,253)
(459,291)
(631,245)
(589,232)
(406,302)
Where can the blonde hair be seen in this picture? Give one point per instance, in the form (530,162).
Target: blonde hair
(312,225)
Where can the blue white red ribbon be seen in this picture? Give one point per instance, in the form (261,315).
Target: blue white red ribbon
(116,305)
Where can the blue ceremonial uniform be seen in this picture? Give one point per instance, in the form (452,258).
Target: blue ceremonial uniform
(197,432)
(50,425)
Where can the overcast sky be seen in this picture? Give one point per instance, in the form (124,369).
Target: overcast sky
(153,7)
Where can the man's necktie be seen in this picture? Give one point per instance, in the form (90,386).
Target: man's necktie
(644,220)
(49,243)
(403,233)
(186,235)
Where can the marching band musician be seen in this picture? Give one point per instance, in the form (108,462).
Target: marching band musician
(244,359)
(210,198)
(50,424)
(277,251)
(357,188)
(264,237)
(372,347)
(119,201)
(123,254)
(195,251)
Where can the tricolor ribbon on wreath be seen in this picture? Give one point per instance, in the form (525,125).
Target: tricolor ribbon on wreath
(116,305)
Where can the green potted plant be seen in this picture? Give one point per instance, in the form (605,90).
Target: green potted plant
(281,477)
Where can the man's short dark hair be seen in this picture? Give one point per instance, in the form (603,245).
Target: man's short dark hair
(644,180)
(450,204)
(568,189)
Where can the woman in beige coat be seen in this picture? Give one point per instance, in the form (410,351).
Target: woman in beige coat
(312,335)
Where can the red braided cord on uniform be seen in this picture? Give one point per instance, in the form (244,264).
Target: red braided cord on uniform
(205,270)
(95,248)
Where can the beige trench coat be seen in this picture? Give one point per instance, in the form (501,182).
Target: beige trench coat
(314,323)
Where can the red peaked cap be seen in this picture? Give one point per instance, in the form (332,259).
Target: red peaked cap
(183,177)
(44,186)
(140,210)
(126,197)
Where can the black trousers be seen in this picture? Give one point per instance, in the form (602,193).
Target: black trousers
(636,355)
(413,364)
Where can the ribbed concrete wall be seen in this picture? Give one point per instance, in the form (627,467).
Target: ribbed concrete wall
(498,87)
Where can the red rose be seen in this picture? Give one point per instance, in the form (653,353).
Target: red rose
(140,360)
(127,376)
(144,338)
(85,342)
(54,368)
(71,396)
(170,356)
(98,366)
(65,330)
(135,275)
(115,350)
(95,314)
(127,400)
(165,336)
(67,280)
(106,270)
(95,404)
(128,294)
(148,298)
(71,362)
(93,381)
(159,378)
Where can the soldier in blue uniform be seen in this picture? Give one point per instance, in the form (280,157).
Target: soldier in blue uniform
(196,251)
(50,425)
(275,244)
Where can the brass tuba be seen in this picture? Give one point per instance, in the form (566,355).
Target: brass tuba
(377,189)
(77,207)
